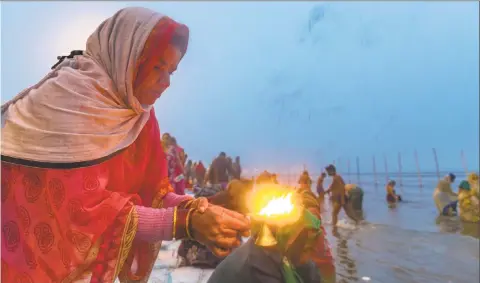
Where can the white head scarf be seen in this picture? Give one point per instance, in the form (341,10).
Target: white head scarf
(85,108)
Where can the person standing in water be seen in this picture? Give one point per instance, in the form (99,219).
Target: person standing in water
(339,199)
(321,189)
(392,197)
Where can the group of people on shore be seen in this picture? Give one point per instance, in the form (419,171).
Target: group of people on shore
(185,174)
(464,203)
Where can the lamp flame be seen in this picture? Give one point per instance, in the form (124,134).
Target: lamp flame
(278,206)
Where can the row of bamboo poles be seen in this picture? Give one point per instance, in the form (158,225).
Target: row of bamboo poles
(399,177)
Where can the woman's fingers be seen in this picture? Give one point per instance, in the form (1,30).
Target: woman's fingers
(226,232)
(202,204)
(227,242)
(233,220)
(219,252)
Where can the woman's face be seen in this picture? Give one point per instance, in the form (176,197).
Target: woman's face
(158,79)
(166,139)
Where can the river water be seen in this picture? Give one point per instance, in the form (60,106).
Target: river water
(407,244)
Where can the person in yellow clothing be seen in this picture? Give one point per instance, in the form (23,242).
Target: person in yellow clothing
(468,203)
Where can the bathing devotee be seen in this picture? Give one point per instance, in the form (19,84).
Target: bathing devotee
(444,197)
(355,198)
(391,194)
(474,183)
(338,196)
(306,250)
(469,209)
(85,190)
(321,189)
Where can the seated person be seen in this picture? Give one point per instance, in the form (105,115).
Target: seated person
(306,250)
(392,197)
(468,203)
(444,197)
(192,253)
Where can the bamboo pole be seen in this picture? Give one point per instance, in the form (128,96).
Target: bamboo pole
(417,164)
(464,162)
(387,177)
(400,171)
(437,167)
(358,171)
(348,169)
(375,177)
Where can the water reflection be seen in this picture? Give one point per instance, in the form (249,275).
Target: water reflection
(452,224)
(345,264)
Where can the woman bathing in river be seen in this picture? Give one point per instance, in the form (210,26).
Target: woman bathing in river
(85,190)
(392,197)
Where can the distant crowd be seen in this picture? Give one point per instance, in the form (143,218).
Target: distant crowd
(185,173)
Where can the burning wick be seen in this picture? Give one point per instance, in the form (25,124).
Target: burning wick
(278,206)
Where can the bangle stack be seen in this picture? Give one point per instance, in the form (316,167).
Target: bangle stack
(187,224)
(174,221)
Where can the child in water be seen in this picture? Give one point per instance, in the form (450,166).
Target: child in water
(392,197)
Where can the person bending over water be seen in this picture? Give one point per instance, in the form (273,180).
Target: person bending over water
(355,198)
(445,199)
(338,196)
(392,197)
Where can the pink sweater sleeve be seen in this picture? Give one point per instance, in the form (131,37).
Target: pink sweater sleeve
(154,224)
(172,199)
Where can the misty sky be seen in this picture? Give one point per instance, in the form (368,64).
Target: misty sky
(285,84)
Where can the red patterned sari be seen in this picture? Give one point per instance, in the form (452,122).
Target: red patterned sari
(61,225)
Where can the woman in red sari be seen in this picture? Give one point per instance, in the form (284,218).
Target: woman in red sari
(85,190)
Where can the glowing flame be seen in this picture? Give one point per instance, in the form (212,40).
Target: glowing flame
(278,206)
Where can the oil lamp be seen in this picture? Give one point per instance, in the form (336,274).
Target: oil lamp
(273,207)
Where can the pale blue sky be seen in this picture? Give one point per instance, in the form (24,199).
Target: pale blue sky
(282,84)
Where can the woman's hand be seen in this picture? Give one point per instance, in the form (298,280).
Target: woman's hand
(200,204)
(219,229)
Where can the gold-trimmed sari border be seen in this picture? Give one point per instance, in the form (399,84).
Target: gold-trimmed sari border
(126,243)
